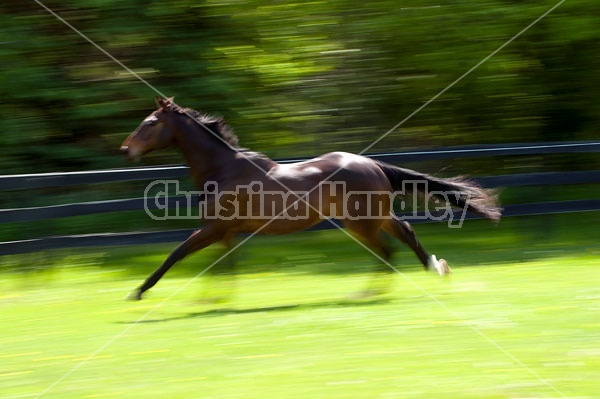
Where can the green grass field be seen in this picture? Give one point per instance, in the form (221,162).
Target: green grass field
(518,318)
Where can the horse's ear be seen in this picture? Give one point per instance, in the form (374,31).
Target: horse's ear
(164,102)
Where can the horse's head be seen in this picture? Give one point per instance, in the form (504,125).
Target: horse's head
(155,132)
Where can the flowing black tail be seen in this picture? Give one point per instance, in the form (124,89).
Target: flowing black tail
(457,190)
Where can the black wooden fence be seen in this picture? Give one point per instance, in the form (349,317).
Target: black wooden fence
(43,180)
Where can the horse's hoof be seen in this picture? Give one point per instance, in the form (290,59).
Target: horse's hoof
(365,294)
(444,267)
(135,295)
(213,300)
(439,266)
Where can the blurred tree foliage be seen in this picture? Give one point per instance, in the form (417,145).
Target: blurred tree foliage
(294,78)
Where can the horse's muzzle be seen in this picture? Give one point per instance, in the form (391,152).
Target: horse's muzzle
(133,155)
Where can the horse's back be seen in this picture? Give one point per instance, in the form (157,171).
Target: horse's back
(330,163)
(332,166)
(356,170)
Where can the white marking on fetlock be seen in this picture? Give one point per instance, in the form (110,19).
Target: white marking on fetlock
(434,265)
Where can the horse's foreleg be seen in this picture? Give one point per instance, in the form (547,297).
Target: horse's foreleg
(405,233)
(198,240)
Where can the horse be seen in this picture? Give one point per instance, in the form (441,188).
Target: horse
(292,193)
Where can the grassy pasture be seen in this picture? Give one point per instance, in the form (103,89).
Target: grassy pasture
(518,318)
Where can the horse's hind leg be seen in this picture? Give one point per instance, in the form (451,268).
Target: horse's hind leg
(370,233)
(198,240)
(405,233)
(221,279)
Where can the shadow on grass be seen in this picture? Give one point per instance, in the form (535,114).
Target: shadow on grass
(266,309)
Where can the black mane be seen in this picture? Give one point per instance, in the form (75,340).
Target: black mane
(217,125)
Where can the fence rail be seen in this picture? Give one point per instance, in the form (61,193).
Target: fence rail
(33,181)
(156,237)
(139,204)
(42,180)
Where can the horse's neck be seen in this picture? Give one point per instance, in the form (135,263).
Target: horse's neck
(205,157)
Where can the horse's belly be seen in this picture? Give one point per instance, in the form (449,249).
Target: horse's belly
(278,226)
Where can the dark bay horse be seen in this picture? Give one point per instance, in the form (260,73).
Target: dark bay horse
(291,195)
